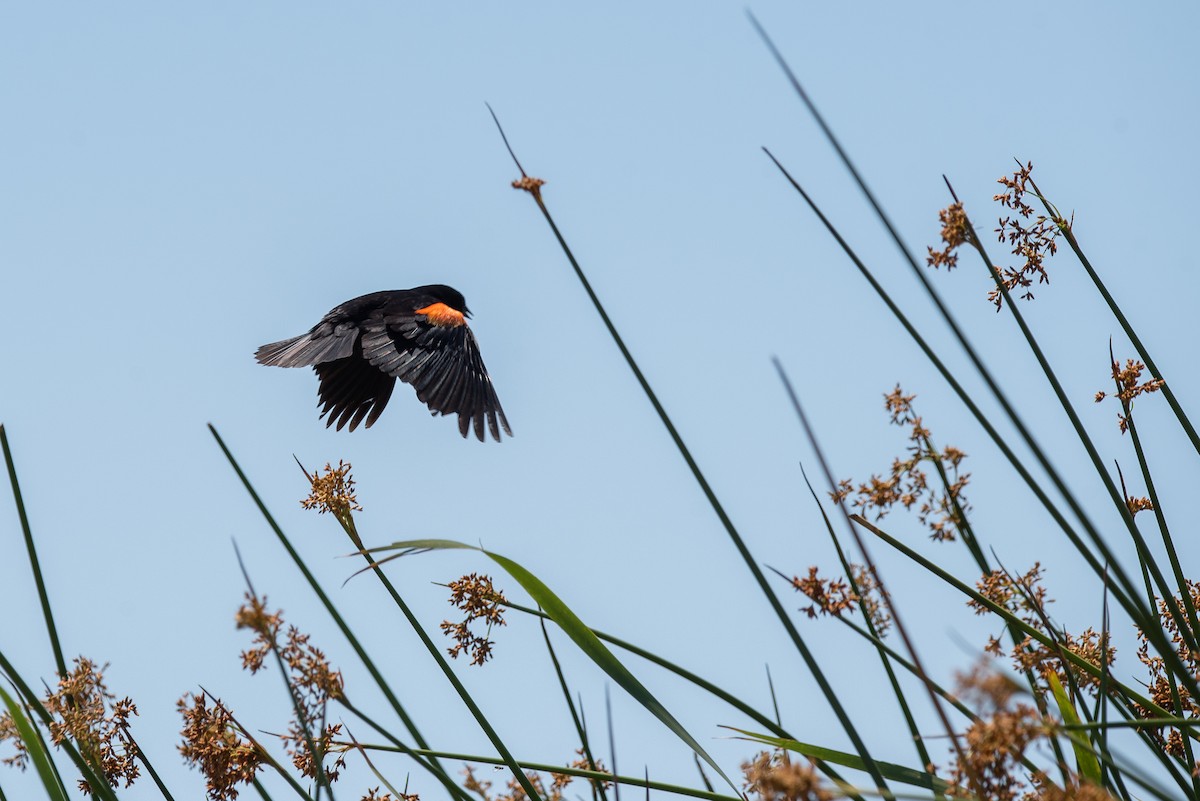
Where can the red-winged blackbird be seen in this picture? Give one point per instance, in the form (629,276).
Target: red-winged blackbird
(418,335)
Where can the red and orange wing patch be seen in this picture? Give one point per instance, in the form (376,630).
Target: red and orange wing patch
(441,314)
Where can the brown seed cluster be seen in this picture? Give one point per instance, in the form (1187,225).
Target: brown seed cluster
(956,231)
(332,491)
(515,792)
(1129,379)
(989,763)
(1159,685)
(10,734)
(475,595)
(775,777)
(907,483)
(1031,237)
(84,711)
(374,795)
(828,596)
(531,185)
(1025,597)
(211,741)
(869,596)
(1136,505)
(313,682)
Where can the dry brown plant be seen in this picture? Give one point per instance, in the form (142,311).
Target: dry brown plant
(475,595)
(312,681)
(212,742)
(943,511)
(515,792)
(1128,378)
(332,491)
(775,777)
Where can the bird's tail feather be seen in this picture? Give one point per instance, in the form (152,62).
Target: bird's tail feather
(302,351)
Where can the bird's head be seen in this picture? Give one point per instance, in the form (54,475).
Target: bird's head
(447,295)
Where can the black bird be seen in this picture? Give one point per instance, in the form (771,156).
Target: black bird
(419,336)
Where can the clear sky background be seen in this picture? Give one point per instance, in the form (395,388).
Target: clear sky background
(181,183)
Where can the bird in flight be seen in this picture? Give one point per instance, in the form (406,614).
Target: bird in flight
(419,336)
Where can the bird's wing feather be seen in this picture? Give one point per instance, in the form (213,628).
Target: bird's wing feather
(352,389)
(328,340)
(442,363)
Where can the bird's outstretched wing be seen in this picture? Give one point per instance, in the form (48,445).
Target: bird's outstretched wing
(442,363)
(352,389)
(328,340)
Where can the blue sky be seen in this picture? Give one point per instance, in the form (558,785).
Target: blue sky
(184,183)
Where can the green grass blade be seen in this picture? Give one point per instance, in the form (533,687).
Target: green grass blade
(1143,617)
(1086,762)
(1127,595)
(1010,618)
(580,634)
(580,729)
(34,564)
(897,691)
(731,530)
(1115,308)
(37,752)
(543,767)
(897,773)
(434,767)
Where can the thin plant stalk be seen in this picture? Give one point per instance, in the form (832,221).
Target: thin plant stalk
(533,188)
(897,690)
(597,789)
(43,597)
(1097,463)
(884,595)
(367,662)
(1115,308)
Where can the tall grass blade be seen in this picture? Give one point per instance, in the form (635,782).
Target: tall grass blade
(43,597)
(580,634)
(1086,763)
(580,730)
(344,627)
(1118,501)
(896,773)
(809,660)
(1115,308)
(1128,596)
(543,767)
(42,762)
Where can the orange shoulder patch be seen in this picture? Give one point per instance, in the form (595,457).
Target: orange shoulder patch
(441,314)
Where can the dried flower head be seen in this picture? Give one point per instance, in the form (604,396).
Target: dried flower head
(212,742)
(515,792)
(374,795)
(870,598)
(1162,690)
(314,683)
(333,491)
(1025,597)
(1129,386)
(475,595)
(775,777)
(10,734)
(907,483)
(83,710)
(531,185)
(1075,790)
(1136,505)
(1032,241)
(989,763)
(829,596)
(956,230)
